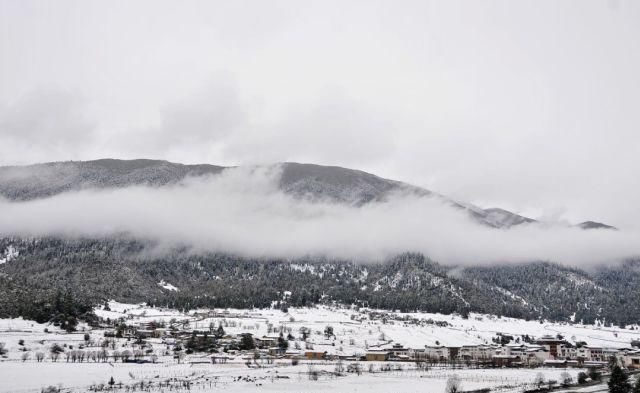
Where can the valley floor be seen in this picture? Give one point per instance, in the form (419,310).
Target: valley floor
(354,332)
(29,377)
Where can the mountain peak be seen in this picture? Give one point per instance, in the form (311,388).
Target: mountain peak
(595,225)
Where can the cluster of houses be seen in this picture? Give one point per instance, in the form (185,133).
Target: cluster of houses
(546,351)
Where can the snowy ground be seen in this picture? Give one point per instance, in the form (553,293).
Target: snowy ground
(354,331)
(351,324)
(32,376)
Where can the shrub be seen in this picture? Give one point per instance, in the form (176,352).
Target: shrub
(582,377)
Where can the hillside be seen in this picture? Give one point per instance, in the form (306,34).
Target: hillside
(309,181)
(22,183)
(36,272)
(98,269)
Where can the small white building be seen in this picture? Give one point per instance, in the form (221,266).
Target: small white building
(398,351)
(568,352)
(519,350)
(436,353)
(477,352)
(631,359)
(594,354)
(537,354)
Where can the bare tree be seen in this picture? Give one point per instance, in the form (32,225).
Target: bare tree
(354,368)
(55,351)
(339,369)
(126,355)
(313,373)
(539,381)
(454,385)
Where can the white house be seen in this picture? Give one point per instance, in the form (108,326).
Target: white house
(632,359)
(437,353)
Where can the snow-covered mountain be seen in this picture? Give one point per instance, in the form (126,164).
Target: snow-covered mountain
(314,182)
(44,180)
(91,270)
(124,268)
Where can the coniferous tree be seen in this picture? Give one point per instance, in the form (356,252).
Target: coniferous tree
(619,381)
(636,386)
(282,343)
(220,332)
(246,342)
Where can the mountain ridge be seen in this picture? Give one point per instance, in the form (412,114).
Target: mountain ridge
(127,269)
(303,180)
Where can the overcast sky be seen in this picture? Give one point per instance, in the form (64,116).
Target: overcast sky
(527,105)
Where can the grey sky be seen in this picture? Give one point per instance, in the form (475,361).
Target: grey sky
(527,105)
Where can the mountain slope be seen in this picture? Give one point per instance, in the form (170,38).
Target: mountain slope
(44,180)
(123,268)
(338,184)
(594,225)
(608,293)
(127,270)
(314,182)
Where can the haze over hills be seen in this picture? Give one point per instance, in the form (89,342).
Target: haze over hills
(313,182)
(380,196)
(119,266)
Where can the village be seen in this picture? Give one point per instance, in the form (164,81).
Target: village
(228,349)
(544,351)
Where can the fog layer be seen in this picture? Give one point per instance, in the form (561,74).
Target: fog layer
(242,211)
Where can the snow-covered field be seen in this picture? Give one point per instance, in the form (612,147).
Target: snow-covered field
(31,377)
(354,330)
(352,324)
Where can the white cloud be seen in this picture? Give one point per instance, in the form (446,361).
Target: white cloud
(45,122)
(242,211)
(523,105)
(329,129)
